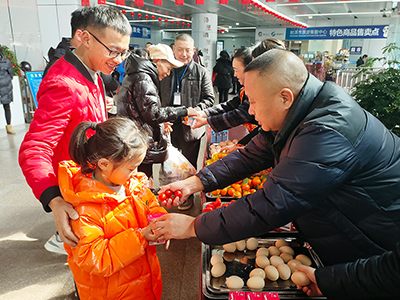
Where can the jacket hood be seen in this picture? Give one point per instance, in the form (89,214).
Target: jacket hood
(142,65)
(61,49)
(78,188)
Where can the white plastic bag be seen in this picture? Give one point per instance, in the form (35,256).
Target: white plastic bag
(176,167)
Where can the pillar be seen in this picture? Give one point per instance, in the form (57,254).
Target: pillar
(394,31)
(204,33)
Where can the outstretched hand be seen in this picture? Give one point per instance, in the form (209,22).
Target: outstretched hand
(62,213)
(187,186)
(312,289)
(174,226)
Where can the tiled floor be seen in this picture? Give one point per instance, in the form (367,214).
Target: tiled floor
(28,271)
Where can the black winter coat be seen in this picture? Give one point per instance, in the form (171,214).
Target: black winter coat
(336,174)
(6,76)
(224,71)
(139,100)
(373,278)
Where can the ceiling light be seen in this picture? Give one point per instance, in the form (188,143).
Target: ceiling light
(230,26)
(237,24)
(310,17)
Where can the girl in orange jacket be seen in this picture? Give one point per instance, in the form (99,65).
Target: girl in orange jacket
(113,259)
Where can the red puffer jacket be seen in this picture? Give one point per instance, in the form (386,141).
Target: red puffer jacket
(112,260)
(67,96)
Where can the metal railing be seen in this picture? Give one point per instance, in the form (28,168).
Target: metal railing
(345,77)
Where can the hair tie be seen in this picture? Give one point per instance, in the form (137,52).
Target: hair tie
(91,166)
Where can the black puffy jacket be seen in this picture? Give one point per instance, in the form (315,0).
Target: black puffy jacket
(336,174)
(224,71)
(6,76)
(139,99)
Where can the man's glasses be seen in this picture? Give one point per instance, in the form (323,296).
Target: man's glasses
(113,53)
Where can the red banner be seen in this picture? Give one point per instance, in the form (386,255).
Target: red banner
(246,1)
(157,2)
(223,1)
(139,2)
(85,2)
(294,1)
(269,0)
(101,2)
(179,2)
(199,2)
(120,2)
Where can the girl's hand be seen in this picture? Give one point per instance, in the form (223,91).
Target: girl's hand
(148,232)
(312,289)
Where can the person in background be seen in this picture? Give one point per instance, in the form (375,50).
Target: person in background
(113,258)
(71,92)
(361,60)
(78,24)
(190,86)
(376,277)
(6,88)
(223,69)
(236,86)
(336,169)
(120,70)
(235,111)
(139,100)
(148,44)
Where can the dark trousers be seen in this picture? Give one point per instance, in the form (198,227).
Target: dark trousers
(223,95)
(146,169)
(7,112)
(189,149)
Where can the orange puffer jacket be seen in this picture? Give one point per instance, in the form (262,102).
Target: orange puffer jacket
(112,260)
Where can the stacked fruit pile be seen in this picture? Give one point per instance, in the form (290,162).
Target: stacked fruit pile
(243,187)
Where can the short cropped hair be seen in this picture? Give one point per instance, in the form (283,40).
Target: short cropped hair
(79,19)
(184,37)
(103,16)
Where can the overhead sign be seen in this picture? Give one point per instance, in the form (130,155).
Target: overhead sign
(355,50)
(141,32)
(263,33)
(338,33)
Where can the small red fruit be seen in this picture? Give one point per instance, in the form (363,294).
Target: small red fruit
(162,197)
(178,193)
(169,193)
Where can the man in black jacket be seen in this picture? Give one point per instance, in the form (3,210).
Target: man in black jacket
(189,86)
(336,169)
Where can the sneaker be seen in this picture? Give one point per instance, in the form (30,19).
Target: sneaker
(187,204)
(55,245)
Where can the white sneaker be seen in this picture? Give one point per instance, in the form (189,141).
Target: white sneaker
(55,245)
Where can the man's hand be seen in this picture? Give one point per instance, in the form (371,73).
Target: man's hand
(194,113)
(187,186)
(62,213)
(174,226)
(167,128)
(199,122)
(312,289)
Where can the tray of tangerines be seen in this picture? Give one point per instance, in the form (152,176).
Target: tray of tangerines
(241,188)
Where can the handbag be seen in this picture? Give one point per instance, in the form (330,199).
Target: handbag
(176,167)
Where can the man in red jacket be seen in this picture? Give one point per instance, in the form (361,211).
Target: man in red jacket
(71,92)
